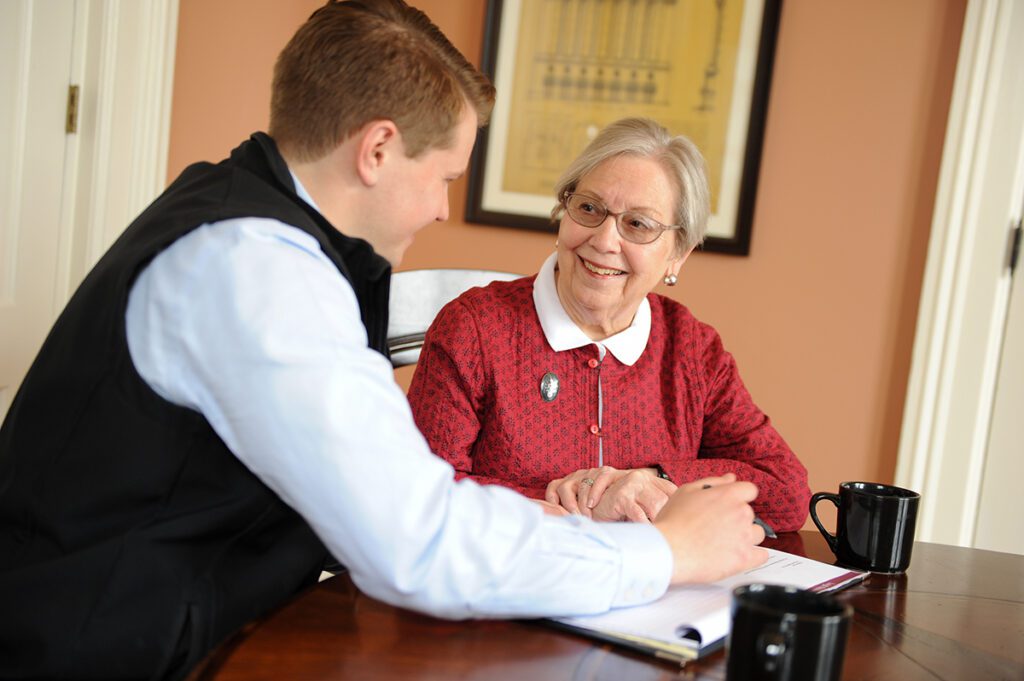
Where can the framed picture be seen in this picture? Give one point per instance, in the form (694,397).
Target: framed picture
(566,68)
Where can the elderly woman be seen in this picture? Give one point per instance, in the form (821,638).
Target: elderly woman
(580,386)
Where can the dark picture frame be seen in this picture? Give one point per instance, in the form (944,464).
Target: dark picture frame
(558,84)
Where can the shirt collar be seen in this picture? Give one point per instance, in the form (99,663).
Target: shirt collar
(562,333)
(302,193)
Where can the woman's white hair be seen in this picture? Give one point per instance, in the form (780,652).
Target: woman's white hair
(682,161)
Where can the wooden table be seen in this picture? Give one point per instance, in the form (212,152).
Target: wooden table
(957,614)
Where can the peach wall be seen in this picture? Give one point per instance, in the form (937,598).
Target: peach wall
(821,315)
(222,73)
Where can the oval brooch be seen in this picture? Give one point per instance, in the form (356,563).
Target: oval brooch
(549,387)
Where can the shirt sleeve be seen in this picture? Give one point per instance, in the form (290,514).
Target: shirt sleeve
(737,437)
(247,322)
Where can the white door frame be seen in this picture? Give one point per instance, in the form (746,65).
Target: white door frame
(123,60)
(964,298)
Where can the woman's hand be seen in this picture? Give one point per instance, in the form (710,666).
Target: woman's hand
(574,491)
(607,493)
(549,508)
(638,495)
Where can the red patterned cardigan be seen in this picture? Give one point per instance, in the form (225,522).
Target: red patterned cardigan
(476,397)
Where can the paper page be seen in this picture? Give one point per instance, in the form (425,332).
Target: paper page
(789,570)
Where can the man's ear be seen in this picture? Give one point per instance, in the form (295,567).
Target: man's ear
(376,142)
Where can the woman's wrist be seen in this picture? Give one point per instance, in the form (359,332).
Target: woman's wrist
(659,472)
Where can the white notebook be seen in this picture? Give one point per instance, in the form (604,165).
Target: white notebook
(691,620)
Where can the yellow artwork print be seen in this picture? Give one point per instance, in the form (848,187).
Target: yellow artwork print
(581,64)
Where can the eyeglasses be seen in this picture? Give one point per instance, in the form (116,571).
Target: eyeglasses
(633,226)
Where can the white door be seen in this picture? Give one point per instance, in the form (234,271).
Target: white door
(961,444)
(35,68)
(999,510)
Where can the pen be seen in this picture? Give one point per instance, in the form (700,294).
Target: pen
(768,531)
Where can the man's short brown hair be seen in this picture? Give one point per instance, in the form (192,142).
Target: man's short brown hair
(363,60)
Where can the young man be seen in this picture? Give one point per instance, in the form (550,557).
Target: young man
(214,413)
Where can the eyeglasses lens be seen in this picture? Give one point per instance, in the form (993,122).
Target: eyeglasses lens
(633,226)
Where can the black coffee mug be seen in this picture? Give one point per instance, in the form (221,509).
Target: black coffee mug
(783,633)
(874,527)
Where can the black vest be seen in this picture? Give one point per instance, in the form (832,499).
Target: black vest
(131,539)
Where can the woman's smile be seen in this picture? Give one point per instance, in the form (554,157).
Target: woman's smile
(599,271)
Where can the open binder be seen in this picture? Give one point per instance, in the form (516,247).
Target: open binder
(692,620)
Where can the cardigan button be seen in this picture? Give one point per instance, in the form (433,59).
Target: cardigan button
(592,363)
(595,429)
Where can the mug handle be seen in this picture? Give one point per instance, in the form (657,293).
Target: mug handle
(834,498)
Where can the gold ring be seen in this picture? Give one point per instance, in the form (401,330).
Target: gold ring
(587,481)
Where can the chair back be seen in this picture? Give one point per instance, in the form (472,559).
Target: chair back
(416,298)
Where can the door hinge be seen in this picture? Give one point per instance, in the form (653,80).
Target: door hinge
(71,118)
(1015,238)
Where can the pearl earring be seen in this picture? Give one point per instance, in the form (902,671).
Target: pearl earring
(671,279)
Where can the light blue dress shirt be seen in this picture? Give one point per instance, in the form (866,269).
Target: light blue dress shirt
(247,322)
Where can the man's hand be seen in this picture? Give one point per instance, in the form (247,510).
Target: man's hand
(709,525)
